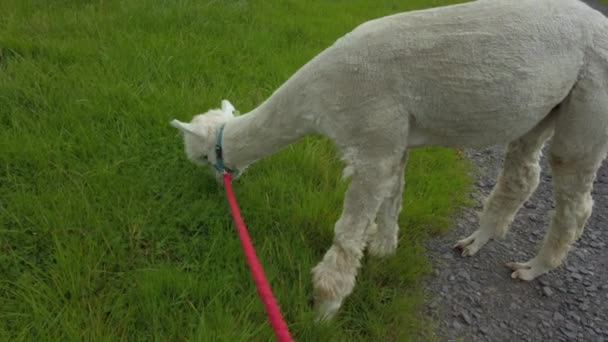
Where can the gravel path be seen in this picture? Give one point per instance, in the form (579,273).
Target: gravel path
(475,299)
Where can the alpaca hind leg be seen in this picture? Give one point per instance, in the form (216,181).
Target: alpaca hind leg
(577,150)
(382,240)
(517,181)
(334,276)
(573,181)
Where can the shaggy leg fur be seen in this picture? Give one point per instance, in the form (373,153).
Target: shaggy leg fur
(518,180)
(334,276)
(578,148)
(383,237)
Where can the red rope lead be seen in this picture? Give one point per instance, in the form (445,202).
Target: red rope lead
(257,272)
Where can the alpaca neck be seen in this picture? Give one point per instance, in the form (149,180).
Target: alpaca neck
(258,134)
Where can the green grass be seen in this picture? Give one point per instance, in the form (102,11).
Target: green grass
(108,233)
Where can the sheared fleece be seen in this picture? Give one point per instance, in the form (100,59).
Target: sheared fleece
(472,74)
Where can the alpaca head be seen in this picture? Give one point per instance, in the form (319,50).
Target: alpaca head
(200,134)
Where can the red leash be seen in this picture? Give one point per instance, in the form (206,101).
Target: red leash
(257,272)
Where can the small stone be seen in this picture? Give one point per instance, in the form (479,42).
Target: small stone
(451,278)
(592,288)
(485,331)
(543,281)
(577,276)
(456,325)
(464,275)
(572,335)
(475,286)
(490,290)
(547,291)
(434,304)
(502,325)
(574,316)
(558,317)
(571,326)
(466,318)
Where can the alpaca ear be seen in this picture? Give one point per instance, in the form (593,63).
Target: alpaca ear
(228,108)
(184,127)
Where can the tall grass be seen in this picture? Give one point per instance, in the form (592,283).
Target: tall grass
(107,232)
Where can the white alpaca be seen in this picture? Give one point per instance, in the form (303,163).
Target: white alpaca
(481,73)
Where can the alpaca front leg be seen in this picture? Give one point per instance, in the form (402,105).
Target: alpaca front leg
(334,276)
(382,239)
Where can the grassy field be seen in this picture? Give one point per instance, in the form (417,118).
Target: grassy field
(108,233)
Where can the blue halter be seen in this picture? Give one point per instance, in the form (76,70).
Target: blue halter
(219,158)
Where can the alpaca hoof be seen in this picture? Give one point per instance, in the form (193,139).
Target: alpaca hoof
(472,244)
(326,310)
(527,270)
(382,247)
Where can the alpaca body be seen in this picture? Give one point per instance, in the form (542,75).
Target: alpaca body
(470,75)
(466,75)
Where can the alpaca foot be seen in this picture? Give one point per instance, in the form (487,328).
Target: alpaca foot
(528,270)
(333,280)
(326,310)
(474,242)
(382,245)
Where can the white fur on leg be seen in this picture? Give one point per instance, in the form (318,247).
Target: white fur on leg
(382,245)
(327,309)
(333,280)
